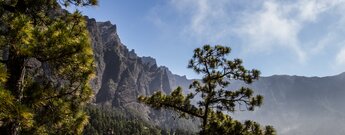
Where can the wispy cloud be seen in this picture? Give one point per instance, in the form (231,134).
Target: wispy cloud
(340,58)
(279,24)
(272,24)
(206,19)
(270,28)
(300,31)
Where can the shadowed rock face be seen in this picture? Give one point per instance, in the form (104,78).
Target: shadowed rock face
(121,76)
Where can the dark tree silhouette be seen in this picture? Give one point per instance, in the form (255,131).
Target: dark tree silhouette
(213,97)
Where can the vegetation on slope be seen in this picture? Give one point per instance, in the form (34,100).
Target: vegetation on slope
(105,120)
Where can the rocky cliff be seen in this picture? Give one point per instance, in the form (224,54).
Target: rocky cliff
(121,76)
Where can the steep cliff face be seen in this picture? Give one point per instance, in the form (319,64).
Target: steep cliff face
(121,76)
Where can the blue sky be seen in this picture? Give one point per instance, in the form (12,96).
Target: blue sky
(301,37)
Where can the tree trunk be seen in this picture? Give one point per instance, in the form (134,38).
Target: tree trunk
(204,119)
(207,107)
(16,69)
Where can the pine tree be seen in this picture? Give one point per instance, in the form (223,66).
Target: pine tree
(45,69)
(215,100)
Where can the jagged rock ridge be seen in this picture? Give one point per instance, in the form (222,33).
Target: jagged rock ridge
(121,76)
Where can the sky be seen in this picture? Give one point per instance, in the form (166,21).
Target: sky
(295,37)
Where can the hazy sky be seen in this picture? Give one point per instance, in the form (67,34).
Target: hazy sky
(302,37)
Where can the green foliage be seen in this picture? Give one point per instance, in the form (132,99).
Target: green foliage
(107,120)
(46,67)
(224,124)
(12,110)
(214,97)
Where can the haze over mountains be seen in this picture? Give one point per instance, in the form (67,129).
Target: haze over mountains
(297,105)
(292,104)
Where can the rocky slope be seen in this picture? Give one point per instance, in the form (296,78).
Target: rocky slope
(121,76)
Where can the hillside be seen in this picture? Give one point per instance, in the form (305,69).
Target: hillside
(292,104)
(300,105)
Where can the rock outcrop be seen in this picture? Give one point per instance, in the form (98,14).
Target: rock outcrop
(121,76)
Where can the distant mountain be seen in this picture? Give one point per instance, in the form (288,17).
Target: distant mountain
(294,105)
(297,105)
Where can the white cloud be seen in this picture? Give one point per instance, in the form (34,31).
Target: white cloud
(309,10)
(207,20)
(340,58)
(262,26)
(279,24)
(270,28)
(322,43)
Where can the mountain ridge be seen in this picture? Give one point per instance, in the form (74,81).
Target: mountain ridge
(122,76)
(292,104)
